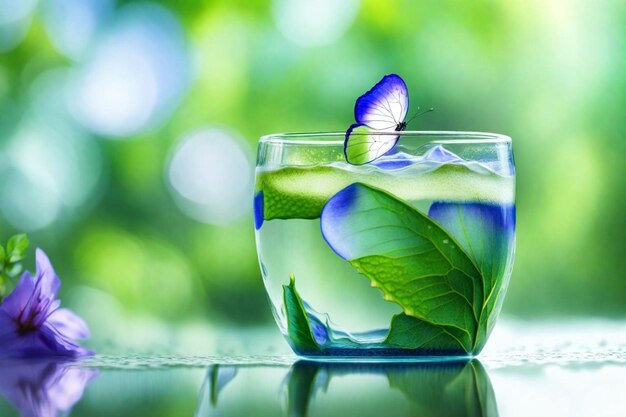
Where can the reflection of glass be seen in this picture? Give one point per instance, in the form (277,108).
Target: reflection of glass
(430,225)
(43,388)
(437,389)
(345,389)
(232,391)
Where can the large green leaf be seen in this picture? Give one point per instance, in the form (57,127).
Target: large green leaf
(298,325)
(409,257)
(408,332)
(487,233)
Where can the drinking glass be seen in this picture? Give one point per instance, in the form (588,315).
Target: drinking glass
(407,256)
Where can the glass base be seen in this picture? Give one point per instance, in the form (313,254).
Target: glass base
(383,355)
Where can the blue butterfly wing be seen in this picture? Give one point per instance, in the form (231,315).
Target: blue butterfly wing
(384,106)
(363,145)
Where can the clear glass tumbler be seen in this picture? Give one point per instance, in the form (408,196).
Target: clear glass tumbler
(407,256)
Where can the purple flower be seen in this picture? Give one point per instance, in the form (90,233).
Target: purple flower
(31,322)
(43,388)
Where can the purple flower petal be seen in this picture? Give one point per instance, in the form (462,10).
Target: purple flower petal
(16,302)
(69,324)
(30,345)
(61,344)
(31,323)
(45,342)
(48,280)
(8,328)
(385,106)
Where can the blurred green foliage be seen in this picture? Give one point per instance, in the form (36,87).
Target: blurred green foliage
(11,257)
(552,75)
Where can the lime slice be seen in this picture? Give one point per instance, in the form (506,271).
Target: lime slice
(301,192)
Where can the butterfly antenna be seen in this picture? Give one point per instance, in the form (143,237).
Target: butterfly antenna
(419,114)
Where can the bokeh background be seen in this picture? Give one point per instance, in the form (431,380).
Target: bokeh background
(128,134)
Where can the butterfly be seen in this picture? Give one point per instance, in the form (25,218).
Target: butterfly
(378,113)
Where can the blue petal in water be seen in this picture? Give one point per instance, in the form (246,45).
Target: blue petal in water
(336,213)
(318,328)
(485,231)
(341,203)
(355,223)
(320,333)
(258,210)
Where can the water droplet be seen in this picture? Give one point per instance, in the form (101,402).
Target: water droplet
(445,241)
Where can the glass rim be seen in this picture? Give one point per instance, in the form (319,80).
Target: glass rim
(437,136)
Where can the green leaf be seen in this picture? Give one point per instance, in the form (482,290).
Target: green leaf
(16,247)
(487,233)
(2,256)
(298,325)
(14,270)
(408,332)
(409,257)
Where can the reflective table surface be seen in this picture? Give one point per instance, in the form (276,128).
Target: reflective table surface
(527,369)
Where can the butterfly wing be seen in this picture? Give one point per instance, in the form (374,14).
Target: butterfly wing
(363,145)
(384,106)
